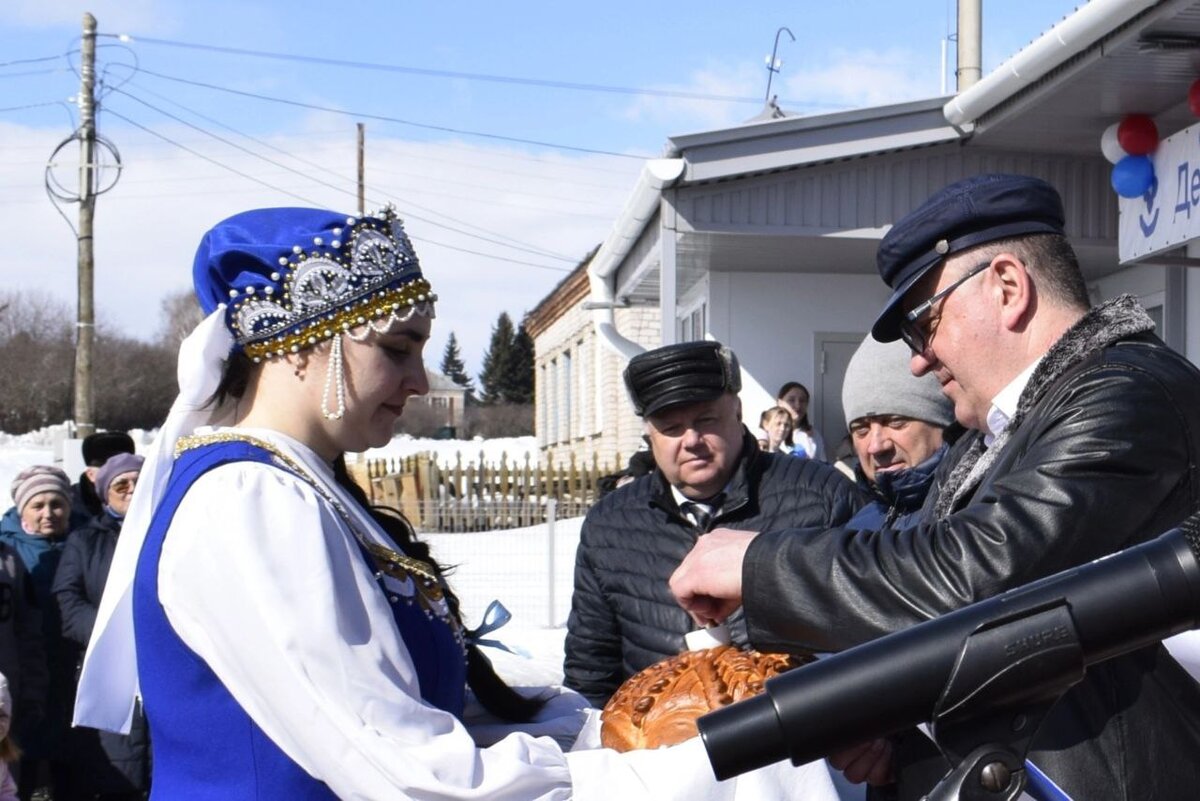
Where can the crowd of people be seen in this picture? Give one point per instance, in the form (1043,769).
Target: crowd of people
(56,545)
(274,635)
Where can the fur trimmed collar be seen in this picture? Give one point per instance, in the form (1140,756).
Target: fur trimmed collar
(1102,326)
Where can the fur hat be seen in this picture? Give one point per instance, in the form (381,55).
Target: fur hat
(98,448)
(38,479)
(878,382)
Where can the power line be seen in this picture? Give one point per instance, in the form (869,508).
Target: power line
(30,60)
(383,118)
(31,105)
(27,73)
(526,246)
(324,183)
(311,202)
(471,76)
(210,160)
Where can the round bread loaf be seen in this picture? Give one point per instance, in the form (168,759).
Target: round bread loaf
(659,706)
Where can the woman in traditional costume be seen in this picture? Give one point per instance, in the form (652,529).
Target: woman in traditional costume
(290,643)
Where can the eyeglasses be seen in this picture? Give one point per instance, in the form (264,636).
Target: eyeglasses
(915,335)
(124,486)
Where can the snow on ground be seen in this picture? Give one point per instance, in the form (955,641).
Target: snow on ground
(529,571)
(447,450)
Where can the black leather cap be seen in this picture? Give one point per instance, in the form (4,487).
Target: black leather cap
(974,211)
(687,372)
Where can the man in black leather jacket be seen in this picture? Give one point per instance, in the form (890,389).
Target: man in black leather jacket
(709,471)
(1086,441)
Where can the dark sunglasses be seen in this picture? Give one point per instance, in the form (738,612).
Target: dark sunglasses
(123,485)
(911,331)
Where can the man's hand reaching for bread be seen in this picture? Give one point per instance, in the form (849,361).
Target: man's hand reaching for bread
(708,582)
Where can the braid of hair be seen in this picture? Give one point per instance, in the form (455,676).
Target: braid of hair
(493,693)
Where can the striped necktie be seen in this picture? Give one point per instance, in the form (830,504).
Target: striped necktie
(701,513)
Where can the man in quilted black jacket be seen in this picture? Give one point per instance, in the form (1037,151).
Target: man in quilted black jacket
(709,472)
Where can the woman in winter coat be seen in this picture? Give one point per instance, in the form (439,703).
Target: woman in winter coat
(36,528)
(108,766)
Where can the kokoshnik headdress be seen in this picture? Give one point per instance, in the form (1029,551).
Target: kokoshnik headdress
(272,282)
(291,278)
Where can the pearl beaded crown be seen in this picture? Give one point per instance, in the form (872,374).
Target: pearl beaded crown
(295,277)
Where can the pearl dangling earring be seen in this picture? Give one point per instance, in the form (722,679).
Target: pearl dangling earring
(335,382)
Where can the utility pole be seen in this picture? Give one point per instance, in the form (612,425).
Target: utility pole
(85,326)
(970,44)
(361,171)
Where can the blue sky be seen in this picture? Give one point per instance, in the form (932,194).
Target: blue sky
(528,122)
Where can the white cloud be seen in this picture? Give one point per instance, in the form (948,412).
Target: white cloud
(686,115)
(859,78)
(143,16)
(147,228)
(844,79)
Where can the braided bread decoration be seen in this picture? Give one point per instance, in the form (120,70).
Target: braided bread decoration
(659,706)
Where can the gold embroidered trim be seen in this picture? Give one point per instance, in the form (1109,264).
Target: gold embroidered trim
(399,566)
(415,294)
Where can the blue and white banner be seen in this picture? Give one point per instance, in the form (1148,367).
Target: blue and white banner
(1168,215)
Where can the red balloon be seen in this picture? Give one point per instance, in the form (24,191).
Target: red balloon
(1194,97)
(1137,134)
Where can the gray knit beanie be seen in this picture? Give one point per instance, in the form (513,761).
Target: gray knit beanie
(878,382)
(36,480)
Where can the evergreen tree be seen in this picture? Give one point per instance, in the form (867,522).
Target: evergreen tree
(453,367)
(495,361)
(518,373)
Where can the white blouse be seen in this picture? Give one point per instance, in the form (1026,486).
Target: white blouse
(263,579)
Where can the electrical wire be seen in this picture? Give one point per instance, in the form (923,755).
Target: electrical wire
(28,73)
(32,105)
(471,76)
(209,159)
(327,184)
(29,60)
(525,246)
(311,202)
(395,120)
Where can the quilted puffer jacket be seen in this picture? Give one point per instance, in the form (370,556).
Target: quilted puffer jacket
(623,616)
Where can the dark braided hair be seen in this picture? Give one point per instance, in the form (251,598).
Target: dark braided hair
(493,693)
(495,696)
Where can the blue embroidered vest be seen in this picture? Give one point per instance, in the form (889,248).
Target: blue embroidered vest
(205,745)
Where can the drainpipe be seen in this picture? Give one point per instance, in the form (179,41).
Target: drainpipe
(657,174)
(1072,35)
(970,43)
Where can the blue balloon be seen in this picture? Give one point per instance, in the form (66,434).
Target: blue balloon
(1132,176)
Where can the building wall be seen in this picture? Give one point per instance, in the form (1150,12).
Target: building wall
(448,403)
(772,322)
(580,403)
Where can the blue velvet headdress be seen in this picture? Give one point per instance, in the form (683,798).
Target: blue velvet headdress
(293,277)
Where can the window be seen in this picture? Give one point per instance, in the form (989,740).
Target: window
(542,396)
(693,324)
(552,401)
(584,427)
(568,431)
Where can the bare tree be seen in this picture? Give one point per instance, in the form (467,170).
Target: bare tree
(181,313)
(37,353)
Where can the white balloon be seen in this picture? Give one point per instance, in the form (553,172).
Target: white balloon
(1109,144)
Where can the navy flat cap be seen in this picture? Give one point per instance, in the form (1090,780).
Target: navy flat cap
(970,212)
(687,372)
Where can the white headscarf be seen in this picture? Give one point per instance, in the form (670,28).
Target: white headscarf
(108,685)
